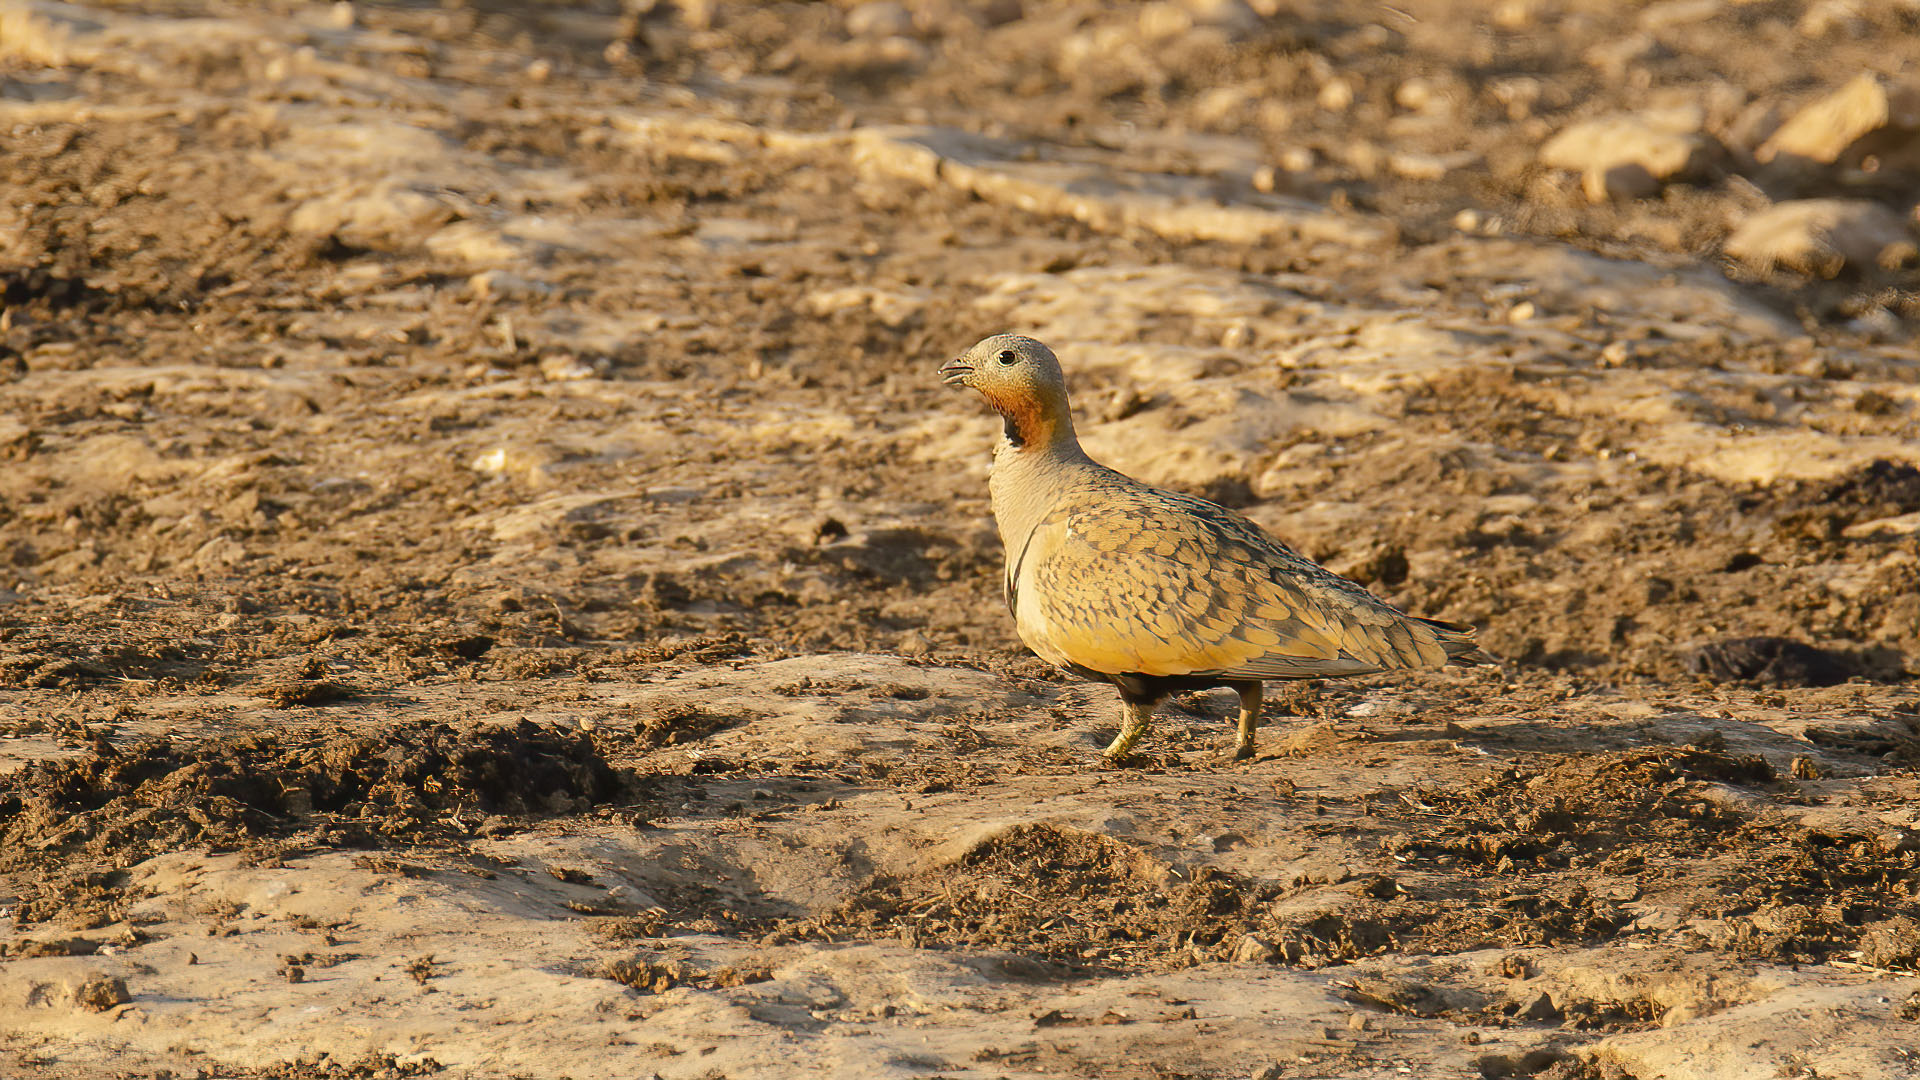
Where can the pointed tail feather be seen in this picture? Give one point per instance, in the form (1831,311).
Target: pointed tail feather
(1458,640)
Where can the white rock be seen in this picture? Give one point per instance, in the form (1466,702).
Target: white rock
(476,244)
(1219,106)
(1234,15)
(1825,16)
(1171,18)
(529,463)
(1820,236)
(1671,13)
(1336,95)
(1825,130)
(565,367)
(880,19)
(1628,155)
(1164,20)
(1253,949)
(491,462)
(384,217)
(1514,14)
(1901,525)
(504,285)
(1418,95)
(1414,166)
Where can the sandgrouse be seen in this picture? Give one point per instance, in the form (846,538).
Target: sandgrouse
(1158,592)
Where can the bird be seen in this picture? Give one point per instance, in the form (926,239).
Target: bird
(1158,592)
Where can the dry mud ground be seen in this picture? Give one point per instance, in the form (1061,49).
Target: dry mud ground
(491,586)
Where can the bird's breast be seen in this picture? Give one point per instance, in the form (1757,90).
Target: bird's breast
(1030,617)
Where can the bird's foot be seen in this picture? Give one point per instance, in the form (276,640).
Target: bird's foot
(1242,751)
(1120,752)
(1133,725)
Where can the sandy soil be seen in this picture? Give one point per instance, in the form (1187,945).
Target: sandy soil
(490,585)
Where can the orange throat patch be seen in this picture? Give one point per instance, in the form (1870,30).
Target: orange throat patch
(1029,423)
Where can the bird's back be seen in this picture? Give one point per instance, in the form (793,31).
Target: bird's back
(1118,577)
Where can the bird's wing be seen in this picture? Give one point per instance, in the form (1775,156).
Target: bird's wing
(1162,584)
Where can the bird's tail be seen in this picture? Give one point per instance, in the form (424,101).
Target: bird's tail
(1458,640)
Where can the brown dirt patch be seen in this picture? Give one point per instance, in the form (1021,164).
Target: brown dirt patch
(70,820)
(1084,900)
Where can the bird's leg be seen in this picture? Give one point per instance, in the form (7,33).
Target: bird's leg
(1138,711)
(1249,716)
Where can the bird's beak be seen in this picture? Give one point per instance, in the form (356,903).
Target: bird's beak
(955,372)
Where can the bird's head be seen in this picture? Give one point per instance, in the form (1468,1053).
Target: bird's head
(1021,379)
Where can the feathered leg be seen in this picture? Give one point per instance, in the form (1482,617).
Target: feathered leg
(1137,712)
(1249,718)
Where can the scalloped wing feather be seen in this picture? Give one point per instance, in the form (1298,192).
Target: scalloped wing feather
(1122,578)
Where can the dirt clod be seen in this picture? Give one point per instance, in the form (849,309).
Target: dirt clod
(100,994)
(1893,943)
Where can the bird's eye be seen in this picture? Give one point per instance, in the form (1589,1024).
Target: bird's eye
(1007,357)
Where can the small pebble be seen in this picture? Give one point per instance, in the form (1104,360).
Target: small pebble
(1336,95)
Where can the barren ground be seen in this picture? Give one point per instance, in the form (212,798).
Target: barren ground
(490,584)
